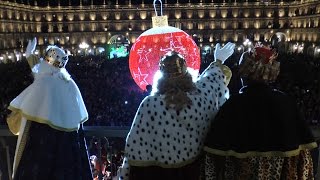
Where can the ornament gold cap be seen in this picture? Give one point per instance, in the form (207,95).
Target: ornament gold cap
(160,21)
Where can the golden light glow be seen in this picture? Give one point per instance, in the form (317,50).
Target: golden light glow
(70,27)
(73,40)
(62,41)
(257,24)
(256,36)
(81,16)
(103,39)
(92,16)
(60,27)
(190,25)
(93,26)
(189,13)
(224,13)
(246,24)
(143,14)
(24,16)
(60,17)
(235,25)
(200,26)
(9,14)
(117,15)
(224,37)
(51,40)
(130,16)
(257,13)
(281,12)
(298,36)
(314,37)
(2,28)
(133,39)
(38,28)
(235,37)
(211,38)
(299,24)
(94,40)
(310,37)
(104,15)
(212,25)
(118,26)
(223,25)
(177,14)
(269,12)
(235,13)
(82,27)
(48,17)
(246,12)
(201,13)
(17,15)
(143,26)
(70,16)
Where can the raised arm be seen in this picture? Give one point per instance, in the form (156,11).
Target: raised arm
(220,56)
(216,76)
(31,58)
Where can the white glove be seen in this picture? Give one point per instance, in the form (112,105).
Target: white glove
(223,53)
(31,47)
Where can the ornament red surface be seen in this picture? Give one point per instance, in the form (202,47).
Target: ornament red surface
(151,45)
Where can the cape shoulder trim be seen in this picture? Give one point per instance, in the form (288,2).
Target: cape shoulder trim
(290,153)
(45,121)
(160,164)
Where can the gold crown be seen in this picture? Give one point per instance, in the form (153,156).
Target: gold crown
(260,65)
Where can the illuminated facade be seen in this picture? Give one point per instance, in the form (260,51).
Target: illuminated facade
(295,24)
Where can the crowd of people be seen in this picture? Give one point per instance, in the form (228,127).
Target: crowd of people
(112,97)
(110,93)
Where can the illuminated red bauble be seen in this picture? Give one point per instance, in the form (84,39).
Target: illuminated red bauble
(151,45)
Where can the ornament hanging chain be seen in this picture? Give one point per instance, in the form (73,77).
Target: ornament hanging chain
(155,9)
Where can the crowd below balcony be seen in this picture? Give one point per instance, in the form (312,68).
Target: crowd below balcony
(112,97)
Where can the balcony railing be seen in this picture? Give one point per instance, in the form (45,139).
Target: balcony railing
(98,132)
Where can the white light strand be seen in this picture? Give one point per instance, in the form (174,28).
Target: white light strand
(155,9)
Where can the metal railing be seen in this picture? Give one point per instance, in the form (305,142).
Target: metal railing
(99,132)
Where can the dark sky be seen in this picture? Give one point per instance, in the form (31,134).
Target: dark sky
(122,2)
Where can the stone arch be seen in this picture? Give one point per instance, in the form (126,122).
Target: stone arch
(119,39)
(206,52)
(311,50)
(279,41)
(118,46)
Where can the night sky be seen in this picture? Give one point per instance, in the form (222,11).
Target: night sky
(121,2)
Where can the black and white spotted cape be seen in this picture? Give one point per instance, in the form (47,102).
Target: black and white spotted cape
(164,137)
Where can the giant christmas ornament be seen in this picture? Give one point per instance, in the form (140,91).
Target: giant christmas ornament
(151,45)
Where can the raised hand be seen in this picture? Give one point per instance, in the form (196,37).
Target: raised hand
(31,47)
(224,53)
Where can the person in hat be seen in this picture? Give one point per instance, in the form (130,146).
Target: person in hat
(47,116)
(260,132)
(168,130)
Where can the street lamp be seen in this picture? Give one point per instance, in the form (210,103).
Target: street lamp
(83,45)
